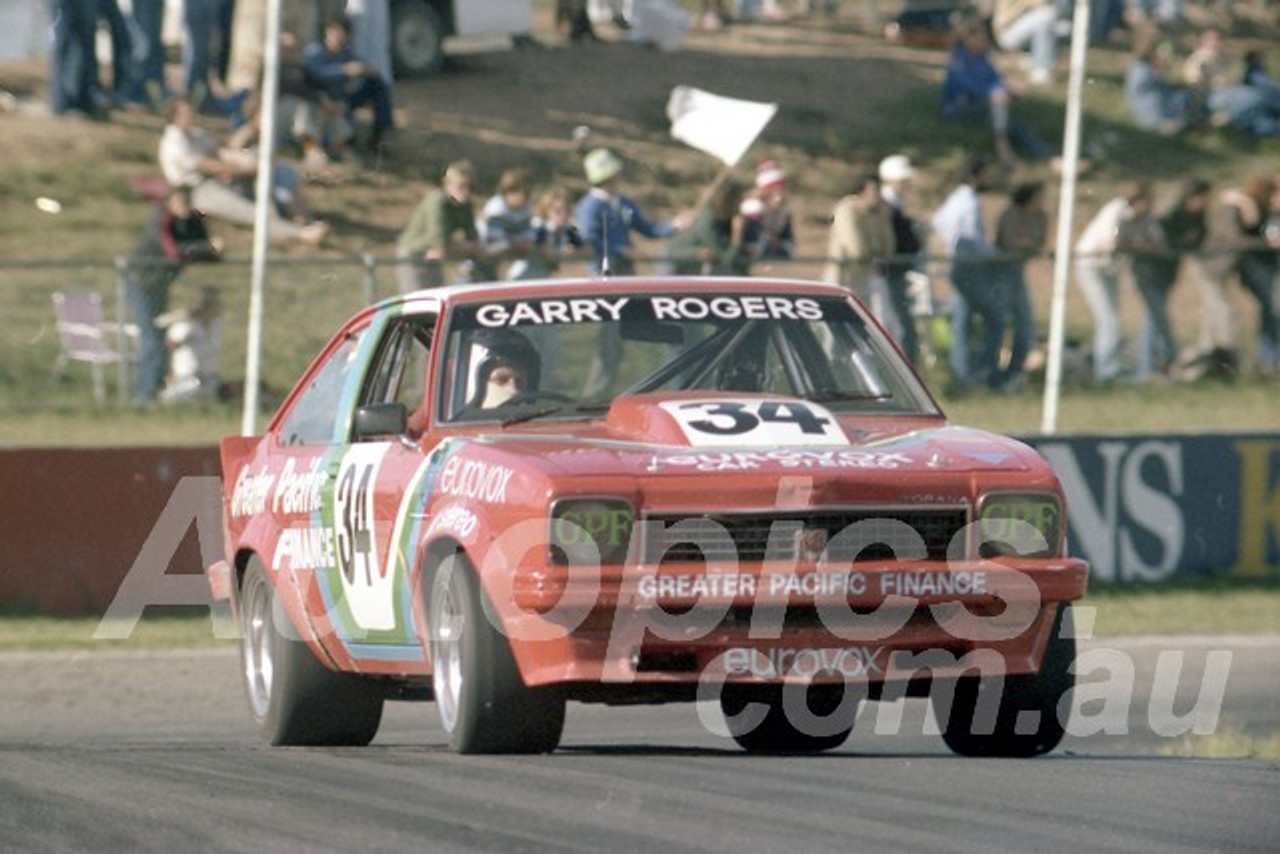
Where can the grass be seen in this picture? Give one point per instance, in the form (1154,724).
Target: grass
(25,632)
(1186,607)
(1225,743)
(1193,607)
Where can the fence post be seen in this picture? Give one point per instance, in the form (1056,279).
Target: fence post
(370,277)
(122,339)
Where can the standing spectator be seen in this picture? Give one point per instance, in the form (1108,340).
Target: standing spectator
(506,223)
(1098,256)
(976,295)
(606,217)
(1155,102)
(861,238)
(220,178)
(974,92)
(123,69)
(336,69)
(206,50)
(769,232)
(1019,24)
(1177,233)
(1021,232)
(174,235)
(555,237)
(1237,245)
(442,228)
(712,245)
(896,177)
(147,85)
(73,67)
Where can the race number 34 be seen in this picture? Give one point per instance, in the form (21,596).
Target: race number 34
(366,580)
(756,422)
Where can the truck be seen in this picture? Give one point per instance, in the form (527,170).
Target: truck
(419,28)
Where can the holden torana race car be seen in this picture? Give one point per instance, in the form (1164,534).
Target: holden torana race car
(639,490)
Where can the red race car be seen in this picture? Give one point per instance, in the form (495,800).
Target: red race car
(506,497)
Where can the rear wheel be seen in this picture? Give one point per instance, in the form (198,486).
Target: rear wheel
(417,38)
(294,699)
(1025,720)
(770,720)
(484,705)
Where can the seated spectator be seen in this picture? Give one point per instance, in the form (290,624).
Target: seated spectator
(974,92)
(1251,109)
(221,178)
(1255,72)
(1155,103)
(506,223)
(335,69)
(1020,24)
(306,117)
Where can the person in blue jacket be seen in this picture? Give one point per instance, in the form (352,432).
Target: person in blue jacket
(606,217)
(974,92)
(335,69)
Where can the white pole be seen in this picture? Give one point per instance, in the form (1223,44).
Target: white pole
(262,218)
(1066,210)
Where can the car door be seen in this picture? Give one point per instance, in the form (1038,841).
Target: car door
(370,506)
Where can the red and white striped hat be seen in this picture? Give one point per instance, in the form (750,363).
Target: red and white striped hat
(768,174)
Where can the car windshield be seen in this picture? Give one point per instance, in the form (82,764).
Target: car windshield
(569,357)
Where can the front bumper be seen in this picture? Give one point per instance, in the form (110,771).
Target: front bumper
(784,623)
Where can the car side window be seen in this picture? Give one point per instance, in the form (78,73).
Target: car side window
(313,418)
(399,374)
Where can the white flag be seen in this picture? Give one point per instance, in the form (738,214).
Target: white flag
(722,127)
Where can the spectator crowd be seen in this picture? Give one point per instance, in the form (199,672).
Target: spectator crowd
(335,105)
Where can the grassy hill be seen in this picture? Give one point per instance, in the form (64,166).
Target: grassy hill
(846,97)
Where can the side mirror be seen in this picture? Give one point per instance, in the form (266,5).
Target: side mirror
(380,419)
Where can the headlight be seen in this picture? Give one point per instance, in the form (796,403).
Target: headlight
(591,531)
(1019,525)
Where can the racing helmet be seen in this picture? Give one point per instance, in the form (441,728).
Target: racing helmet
(504,347)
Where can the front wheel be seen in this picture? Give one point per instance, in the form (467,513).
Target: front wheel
(1017,716)
(417,38)
(776,719)
(294,699)
(484,705)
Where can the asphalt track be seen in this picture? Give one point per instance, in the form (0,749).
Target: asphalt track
(130,752)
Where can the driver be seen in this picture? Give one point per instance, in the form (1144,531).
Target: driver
(509,368)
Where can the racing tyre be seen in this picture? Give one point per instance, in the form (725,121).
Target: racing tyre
(484,705)
(1026,715)
(776,731)
(293,697)
(417,38)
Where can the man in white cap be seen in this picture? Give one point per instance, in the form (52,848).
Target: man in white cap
(606,217)
(896,174)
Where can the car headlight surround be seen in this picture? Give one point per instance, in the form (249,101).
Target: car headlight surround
(586,530)
(1019,524)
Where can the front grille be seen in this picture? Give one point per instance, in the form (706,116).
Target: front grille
(838,536)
